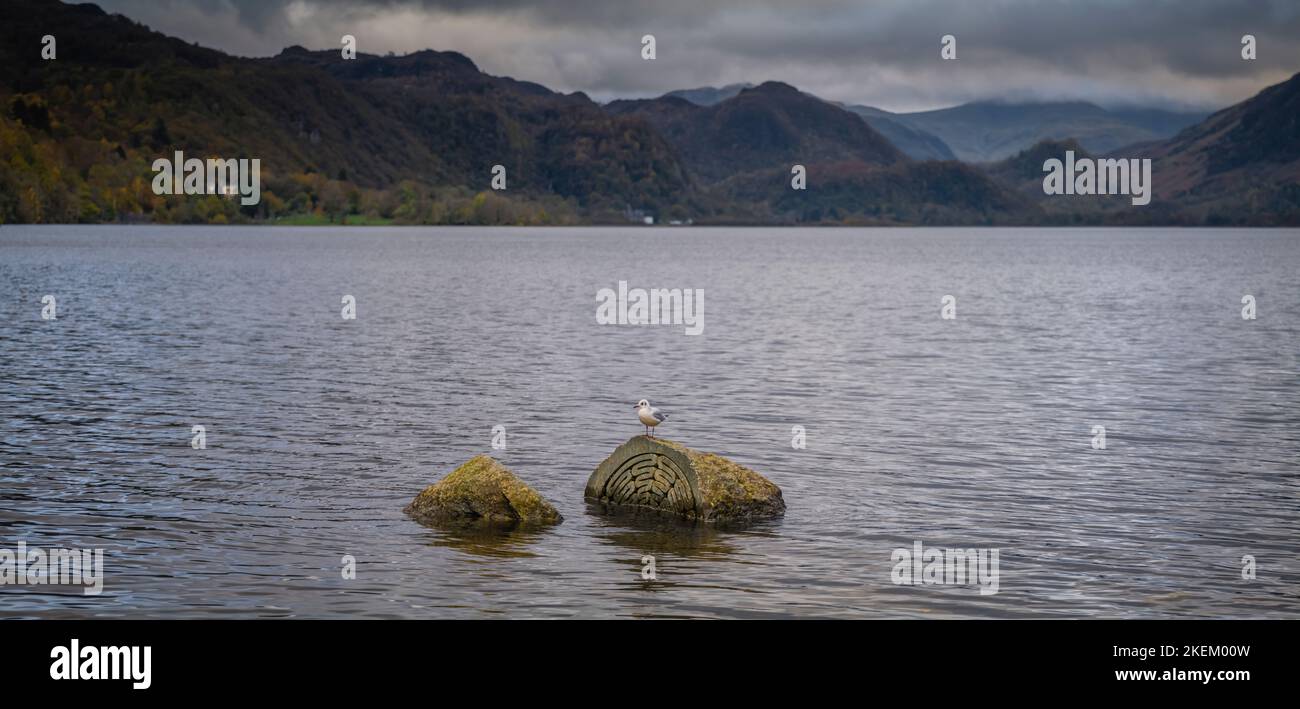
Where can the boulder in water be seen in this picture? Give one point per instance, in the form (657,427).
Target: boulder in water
(658,474)
(482,491)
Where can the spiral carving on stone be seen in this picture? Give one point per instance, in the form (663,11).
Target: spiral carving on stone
(650,480)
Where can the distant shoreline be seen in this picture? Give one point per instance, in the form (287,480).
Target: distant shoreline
(659,227)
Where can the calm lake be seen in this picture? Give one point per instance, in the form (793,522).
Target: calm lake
(972,432)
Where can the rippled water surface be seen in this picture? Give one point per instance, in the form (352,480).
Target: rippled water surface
(973,432)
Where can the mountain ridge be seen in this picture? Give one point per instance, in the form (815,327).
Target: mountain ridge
(987,131)
(979,137)
(413,139)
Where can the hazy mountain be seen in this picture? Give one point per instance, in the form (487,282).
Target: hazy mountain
(767,126)
(708,95)
(989,131)
(917,144)
(1023,172)
(1240,165)
(742,150)
(914,143)
(413,139)
(1160,122)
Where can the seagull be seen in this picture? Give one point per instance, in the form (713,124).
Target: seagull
(649,416)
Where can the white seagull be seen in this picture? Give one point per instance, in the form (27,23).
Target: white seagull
(649,415)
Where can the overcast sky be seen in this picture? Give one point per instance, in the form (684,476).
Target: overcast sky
(883,53)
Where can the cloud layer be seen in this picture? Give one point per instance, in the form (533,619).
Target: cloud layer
(1170,53)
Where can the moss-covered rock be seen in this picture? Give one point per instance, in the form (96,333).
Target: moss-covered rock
(669,477)
(482,491)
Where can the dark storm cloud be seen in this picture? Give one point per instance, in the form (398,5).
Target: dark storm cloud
(881,53)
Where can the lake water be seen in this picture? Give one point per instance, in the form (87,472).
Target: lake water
(975,432)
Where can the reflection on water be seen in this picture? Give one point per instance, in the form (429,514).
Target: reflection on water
(486,541)
(973,432)
(637,531)
(650,532)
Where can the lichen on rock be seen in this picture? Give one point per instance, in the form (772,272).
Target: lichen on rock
(482,491)
(663,475)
